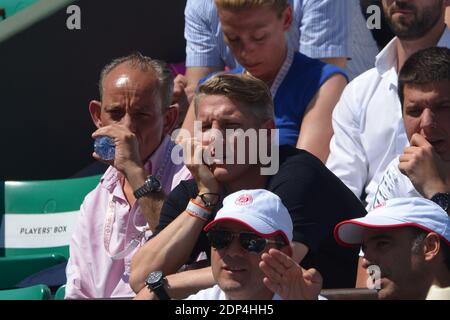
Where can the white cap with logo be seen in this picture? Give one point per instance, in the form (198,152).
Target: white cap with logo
(259,210)
(396,213)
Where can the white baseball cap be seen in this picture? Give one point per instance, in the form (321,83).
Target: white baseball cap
(259,210)
(396,213)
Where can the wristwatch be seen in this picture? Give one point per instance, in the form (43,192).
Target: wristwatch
(155,282)
(442,199)
(151,184)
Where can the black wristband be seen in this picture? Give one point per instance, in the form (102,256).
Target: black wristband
(206,202)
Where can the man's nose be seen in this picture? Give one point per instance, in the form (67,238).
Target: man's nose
(369,259)
(128,122)
(235,248)
(366,263)
(427,121)
(246,49)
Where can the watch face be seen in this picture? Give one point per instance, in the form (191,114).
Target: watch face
(154,184)
(155,283)
(154,277)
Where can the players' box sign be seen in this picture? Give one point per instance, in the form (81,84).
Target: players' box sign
(38,230)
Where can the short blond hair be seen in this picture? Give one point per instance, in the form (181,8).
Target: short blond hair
(236,5)
(244,90)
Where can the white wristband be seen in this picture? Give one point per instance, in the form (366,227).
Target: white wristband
(198,211)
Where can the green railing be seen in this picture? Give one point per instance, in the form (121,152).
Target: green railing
(21,14)
(11,7)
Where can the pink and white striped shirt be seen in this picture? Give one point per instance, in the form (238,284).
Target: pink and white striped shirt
(91,271)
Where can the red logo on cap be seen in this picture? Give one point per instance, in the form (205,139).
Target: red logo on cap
(243,200)
(379,205)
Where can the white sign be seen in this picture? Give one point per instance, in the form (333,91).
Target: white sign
(37,230)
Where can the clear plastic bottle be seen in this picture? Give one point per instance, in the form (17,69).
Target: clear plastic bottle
(104,146)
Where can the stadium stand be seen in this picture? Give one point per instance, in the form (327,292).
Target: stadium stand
(37,219)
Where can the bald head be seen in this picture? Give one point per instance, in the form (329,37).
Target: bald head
(159,82)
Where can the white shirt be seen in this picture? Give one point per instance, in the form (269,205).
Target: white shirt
(438,293)
(368,126)
(215,293)
(394,184)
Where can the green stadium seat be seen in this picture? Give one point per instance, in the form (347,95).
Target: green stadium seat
(60,293)
(11,7)
(16,268)
(39,216)
(36,222)
(39,292)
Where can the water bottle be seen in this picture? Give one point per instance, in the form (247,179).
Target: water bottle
(105,147)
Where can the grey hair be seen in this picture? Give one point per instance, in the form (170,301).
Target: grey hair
(144,63)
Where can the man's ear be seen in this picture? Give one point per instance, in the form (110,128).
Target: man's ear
(95,109)
(447,12)
(287,18)
(432,246)
(170,119)
(268,124)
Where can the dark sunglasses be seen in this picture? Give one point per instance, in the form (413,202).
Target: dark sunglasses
(220,239)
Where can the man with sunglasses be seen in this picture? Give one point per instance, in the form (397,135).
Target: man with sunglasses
(249,224)
(406,244)
(315,198)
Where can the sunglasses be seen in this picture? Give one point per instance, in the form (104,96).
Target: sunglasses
(220,239)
